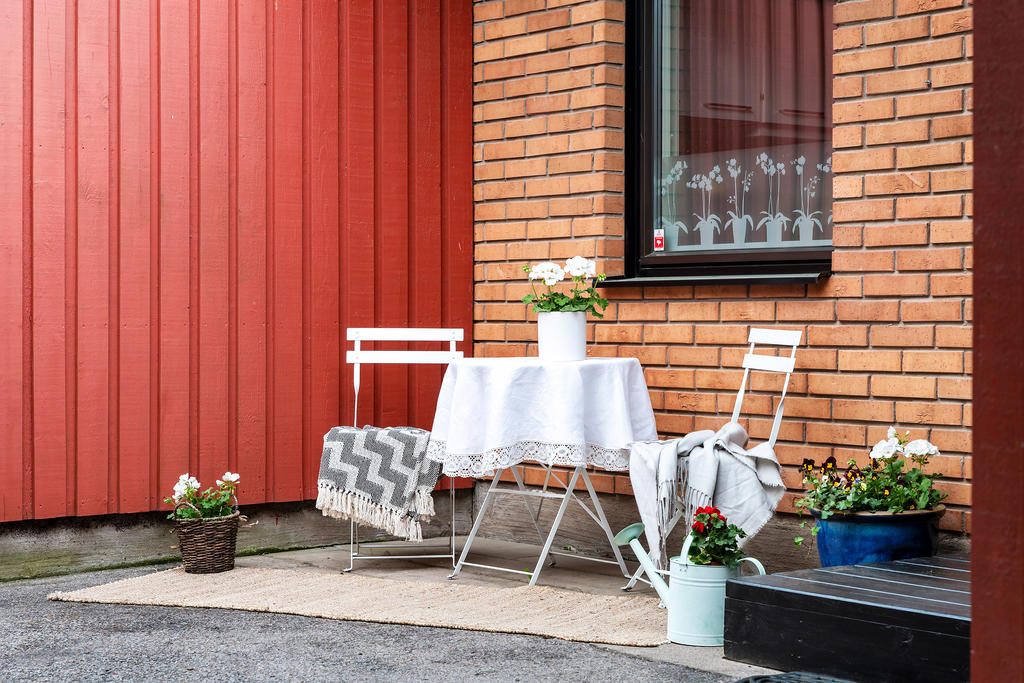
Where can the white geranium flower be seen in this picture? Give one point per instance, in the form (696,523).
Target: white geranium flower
(551,273)
(188,481)
(920,448)
(579,266)
(185,483)
(228,477)
(892,433)
(885,450)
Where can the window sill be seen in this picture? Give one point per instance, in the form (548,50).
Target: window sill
(810,276)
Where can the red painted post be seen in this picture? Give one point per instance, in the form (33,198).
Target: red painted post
(13,171)
(997,552)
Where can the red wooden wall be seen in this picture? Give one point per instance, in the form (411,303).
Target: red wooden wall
(196,198)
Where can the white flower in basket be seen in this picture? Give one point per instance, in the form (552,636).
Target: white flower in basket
(206,523)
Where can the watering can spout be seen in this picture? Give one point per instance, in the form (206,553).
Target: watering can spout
(629,536)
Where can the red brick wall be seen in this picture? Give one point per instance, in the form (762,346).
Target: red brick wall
(887,336)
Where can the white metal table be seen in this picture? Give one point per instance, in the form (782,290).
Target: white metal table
(495,413)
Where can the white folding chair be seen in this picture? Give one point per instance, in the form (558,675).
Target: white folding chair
(358,356)
(751,361)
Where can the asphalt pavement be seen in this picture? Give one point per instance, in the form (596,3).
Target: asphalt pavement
(62,641)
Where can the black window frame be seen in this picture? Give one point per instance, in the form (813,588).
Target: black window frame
(642,104)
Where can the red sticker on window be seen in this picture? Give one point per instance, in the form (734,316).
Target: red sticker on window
(659,239)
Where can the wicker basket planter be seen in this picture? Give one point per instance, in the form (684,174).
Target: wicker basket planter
(207,545)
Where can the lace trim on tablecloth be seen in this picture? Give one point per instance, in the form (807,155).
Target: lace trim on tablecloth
(491,460)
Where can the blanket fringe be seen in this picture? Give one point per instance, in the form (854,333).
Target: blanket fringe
(423,504)
(350,505)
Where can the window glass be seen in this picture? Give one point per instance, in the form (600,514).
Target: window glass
(742,135)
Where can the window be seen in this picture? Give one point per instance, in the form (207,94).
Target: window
(729,140)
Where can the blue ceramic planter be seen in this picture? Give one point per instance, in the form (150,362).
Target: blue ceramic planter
(863,537)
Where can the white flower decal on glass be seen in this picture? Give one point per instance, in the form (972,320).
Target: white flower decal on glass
(774,221)
(738,219)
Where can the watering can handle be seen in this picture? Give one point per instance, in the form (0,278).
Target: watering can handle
(757,565)
(684,554)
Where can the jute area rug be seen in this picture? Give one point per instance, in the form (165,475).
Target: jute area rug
(537,610)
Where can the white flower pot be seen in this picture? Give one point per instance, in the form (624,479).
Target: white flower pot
(562,335)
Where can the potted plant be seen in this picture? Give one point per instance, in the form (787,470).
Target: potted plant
(712,557)
(206,523)
(695,595)
(562,317)
(887,511)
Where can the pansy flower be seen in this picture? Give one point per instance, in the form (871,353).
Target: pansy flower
(830,464)
(807,466)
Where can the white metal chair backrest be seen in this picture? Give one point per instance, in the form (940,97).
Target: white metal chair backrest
(782,364)
(358,356)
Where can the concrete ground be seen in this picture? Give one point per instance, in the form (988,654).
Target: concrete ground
(72,641)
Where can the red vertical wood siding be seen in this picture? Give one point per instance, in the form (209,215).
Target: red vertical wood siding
(199,198)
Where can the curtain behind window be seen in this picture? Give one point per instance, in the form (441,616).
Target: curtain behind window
(745,124)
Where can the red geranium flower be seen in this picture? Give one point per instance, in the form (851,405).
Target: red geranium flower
(699,526)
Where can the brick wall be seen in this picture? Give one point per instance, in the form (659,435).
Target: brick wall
(887,337)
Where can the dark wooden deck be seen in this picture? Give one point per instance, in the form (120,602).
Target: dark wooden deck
(893,621)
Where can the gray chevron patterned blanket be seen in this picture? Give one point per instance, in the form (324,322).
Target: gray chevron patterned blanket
(379,477)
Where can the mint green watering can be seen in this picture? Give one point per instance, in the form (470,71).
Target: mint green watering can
(695,594)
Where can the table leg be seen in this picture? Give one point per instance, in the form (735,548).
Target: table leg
(534,515)
(604,524)
(476,524)
(558,520)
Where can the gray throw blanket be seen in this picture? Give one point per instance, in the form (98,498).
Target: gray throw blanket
(379,477)
(714,468)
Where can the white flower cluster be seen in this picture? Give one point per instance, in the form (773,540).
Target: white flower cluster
(768,165)
(185,484)
(920,448)
(799,163)
(548,271)
(703,182)
(893,446)
(579,266)
(673,176)
(228,477)
(552,273)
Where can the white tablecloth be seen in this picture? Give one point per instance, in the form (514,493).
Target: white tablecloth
(496,412)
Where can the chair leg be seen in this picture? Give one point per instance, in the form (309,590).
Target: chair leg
(351,546)
(671,525)
(633,579)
